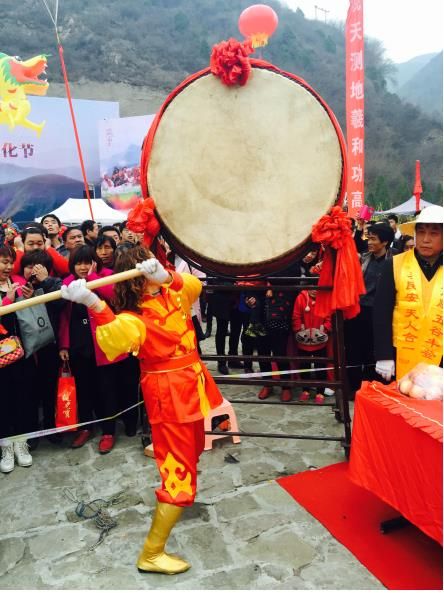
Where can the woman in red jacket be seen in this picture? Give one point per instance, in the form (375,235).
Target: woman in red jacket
(311,334)
(100,384)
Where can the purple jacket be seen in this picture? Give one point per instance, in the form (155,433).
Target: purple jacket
(106,293)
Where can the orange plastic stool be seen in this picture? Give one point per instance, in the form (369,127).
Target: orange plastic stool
(224,408)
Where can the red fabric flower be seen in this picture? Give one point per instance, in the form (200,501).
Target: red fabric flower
(229,61)
(333,231)
(141,219)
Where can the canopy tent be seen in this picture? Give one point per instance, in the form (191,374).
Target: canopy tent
(76,210)
(408,207)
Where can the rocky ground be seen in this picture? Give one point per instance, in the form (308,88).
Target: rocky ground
(244,532)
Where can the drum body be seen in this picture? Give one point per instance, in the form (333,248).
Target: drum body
(240,174)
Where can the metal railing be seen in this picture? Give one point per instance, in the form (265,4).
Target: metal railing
(338,382)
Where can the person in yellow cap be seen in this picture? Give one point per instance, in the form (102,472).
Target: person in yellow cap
(408,309)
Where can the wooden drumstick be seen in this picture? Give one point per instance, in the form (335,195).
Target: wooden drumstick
(57,294)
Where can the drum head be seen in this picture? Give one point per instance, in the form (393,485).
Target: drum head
(240,175)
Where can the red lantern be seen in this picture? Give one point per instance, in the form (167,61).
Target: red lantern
(258,22)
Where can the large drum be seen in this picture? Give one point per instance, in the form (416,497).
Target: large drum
(240,174)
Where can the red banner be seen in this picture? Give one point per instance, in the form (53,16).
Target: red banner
(354,104)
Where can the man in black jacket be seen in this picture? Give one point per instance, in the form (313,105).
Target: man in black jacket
(358,332)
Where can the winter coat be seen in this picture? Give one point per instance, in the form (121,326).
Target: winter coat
(277,311)
(9,322)
(106,293)
(304,317)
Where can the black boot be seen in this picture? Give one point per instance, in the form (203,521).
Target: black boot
(222,368)
(235,364)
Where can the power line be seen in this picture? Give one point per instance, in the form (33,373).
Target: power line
(325,11)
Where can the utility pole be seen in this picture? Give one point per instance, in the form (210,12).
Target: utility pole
(322,10)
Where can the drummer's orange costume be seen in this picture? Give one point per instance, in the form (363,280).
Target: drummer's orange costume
(177,388)
(178,392)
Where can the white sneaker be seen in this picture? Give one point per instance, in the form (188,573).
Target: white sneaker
(21,450)
(7,461)
(328,392)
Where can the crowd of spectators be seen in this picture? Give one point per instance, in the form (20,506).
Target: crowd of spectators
(270,321)
(42,257)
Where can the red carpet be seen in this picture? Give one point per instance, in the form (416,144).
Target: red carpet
(402,559)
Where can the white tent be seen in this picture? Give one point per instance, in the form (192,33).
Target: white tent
(76,210)
(408,207)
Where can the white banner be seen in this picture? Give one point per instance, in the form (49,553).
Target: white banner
(39,171)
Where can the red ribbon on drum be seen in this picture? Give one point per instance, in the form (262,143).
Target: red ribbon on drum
(141,219)
(334,232)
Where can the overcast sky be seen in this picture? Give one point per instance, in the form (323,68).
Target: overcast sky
(406,28)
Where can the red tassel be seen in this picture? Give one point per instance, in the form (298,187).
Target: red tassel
(141,219)
(334,231)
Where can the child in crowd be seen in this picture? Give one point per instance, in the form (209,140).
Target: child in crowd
(251,308)
(311,334)
(311,260)
(255,327)
(100,384)
(278,308)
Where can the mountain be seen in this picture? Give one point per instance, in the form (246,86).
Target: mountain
(424,88)
(10,173)
(37,195)
(138,52)
(407,70)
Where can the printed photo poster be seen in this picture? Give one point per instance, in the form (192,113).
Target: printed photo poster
(120,145)
(39,168)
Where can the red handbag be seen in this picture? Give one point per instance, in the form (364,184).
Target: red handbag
(66,403)
(11,349)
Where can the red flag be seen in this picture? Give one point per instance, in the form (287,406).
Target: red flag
(417,189)
(354,105)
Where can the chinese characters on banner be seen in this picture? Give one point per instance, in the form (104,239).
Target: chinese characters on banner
(354,105)
(13,151)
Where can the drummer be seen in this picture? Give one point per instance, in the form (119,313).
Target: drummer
(155,324)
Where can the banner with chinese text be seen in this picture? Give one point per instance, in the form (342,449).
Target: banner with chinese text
(39,172)
(354,84)
(120,145)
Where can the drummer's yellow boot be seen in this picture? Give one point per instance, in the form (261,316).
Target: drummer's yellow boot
(153,557)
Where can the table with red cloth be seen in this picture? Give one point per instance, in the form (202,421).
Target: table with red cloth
(396,453)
